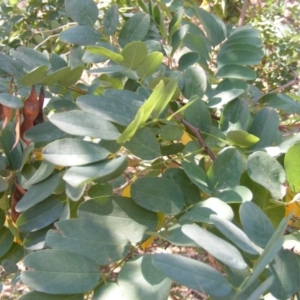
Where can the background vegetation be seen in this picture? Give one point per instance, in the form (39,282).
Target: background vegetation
(148,147)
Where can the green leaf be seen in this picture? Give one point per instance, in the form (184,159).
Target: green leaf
(40,215)
(110,290)
(265,127)
(75,193)
(235,116)
(226,170)
(144,144)
(42,296)
(34,76)
(111,19)
(2,217)
(44,132)
(202,211)
(190,191)
(6,240)
(36,240)
(84,12)
(100,191)
(194,82)
(56,76)
(82,123)
(214,27)
(158,194)
(175,236)
(225,97)
(102,171)
(73,152)
(192,273)
(37,193)
(135,29)
(198,115)
(59,272)
(234,234)
(291,165)
(187,60)
(11,66)
(216,246)
(80,35)
(286,270)
(13,155)
(73,76)
(281,102)
(241,138)
(10,101)
(178,37)
(239,55)
(3,184)
(197,175)
(268,172)
(140,279)
(197,44)
(237,194)
(134,54)
(164,98)
(116,107)
(120,214)
(236,71)
(149,65)
(118,58)
(131,129)
(256,224)
(45,170)
(90,238)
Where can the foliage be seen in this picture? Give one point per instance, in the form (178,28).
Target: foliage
(137,124)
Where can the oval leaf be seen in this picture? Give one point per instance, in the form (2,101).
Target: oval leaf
(158,194)
(268,172)
(60,272)
(193,274)
(84,124)
(73,152)
(216,246)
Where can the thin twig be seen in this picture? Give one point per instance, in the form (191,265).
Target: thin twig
(243,13)
(198,135)
(283,87)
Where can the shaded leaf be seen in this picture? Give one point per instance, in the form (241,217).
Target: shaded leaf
(80,35)
(192,273)
(37,193)
(144,144)
(217,247)
(40,215)
(158,194)
(6,240)
(42,296)
(256,224)
(84,12)
(60,272)
(10,101)
(194,82)
(111,19)
(89,238)
(34,76)
(149,283)
(135,29)
(236,71)
(102,171)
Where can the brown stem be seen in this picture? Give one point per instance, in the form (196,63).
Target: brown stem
(198,135)
(243,13)
(292,82)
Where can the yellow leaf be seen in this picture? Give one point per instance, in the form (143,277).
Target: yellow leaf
(126,191)
(292,207)
(149,241)
(185,138)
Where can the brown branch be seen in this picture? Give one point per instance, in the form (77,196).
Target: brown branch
(292,82)
(198,135)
